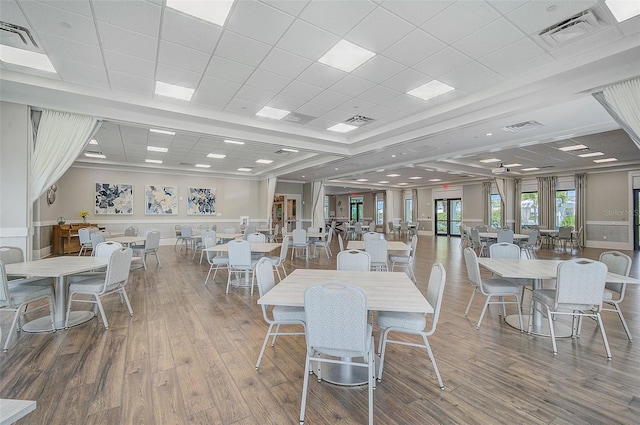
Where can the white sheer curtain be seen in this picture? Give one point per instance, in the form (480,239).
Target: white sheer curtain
(486,203)
(271,191)
(414,204)
(622,102)
(580,181)
(60,139)
(317,196)
(501,184)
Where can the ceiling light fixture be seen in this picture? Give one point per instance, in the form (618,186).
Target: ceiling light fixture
(362,180)
(157,149)
(591,154)
(158,131)
(234,142)
(415,178)
(93,142)
(26,58)
(203,165)
(346,56)
(95,155)
(211,11)
(216,155)
(430,90)
(245,169)
(273,113)
(605,160)
(515,164)
(530,169)
(383,181)
(153,161)
(342,128)
(264,161)
(435,180)
(623,10)
(402,184)
(173,91)
(393,175)
(490,160)
(573,148)
(290,150)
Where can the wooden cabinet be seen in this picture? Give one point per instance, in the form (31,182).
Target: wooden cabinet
(65,238)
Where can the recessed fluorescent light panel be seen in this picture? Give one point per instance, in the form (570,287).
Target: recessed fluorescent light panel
(346,56)
(383,181)
(515,164)
(415,178)
(157,149)
(95,155)
(216,155)
(171,90)
(362,180)
(93,142)
(25,58)
(393,175)
(158,131)
(203,165)
(430,90)
(153,161)
(234,142)
(573,148)
(245,169)
(273,113)
(589,155)
(605,160)
(290,150)
(211,11)
(342,128)
(623,9)
(530,169)
(435,180)
(490,160)
(402,184)
(264,161)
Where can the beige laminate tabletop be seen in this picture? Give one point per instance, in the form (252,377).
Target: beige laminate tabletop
(12,410)
(392,291)
(255,247)
(391,245)
(56,266)
(490,235)
(127,240)
(320,235)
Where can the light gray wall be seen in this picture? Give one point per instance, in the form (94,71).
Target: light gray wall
(472,204)
(608,197)
(425,209)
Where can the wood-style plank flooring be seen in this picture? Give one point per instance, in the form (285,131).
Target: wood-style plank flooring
(188,355)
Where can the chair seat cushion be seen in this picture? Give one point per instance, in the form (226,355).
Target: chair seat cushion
(398,258)
(88,285)
(219,260)
(286,313)
(607,295)
(547,297)
(24,293)
(500,286)
(395,319)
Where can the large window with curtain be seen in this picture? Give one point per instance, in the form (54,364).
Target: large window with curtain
(529,209)
(565,208)
(379,209)
(408,210)
(326,207)
(496,210)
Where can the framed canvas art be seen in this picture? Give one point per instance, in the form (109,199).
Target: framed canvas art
(201,201)
(114,198)
(161,200)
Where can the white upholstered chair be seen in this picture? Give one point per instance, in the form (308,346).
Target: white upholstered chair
(353,259)
(299,242)
(85,240)
(216,260)
(240,262)
(151,246)
(617,263)
(378,250)
(278,261)
(406,260)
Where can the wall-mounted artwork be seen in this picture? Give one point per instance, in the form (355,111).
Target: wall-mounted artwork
(161,200)
(114,198)
(201,201)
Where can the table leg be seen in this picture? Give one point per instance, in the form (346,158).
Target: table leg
(43,324)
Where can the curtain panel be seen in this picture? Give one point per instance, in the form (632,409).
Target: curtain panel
(317,191)
(271,192)
(414,201)
(622,102)
(517,207)
(547,202)
(580,181)
(60,138)
(486,203)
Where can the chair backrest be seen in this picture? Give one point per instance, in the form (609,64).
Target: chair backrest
(206,233)
(340,243)
(357,227)
(482,228)
(83,235)
(336,319)
(505,235)
(565,232)
(153,240)
(473,269)
(372,235)
(249,230)
(533,237)
(264,276)
(390,225)
(580,283)
(131,231)
(187,232)
(475,235)
(11,254)
(104,249)
(256,237)
(435,292)
(354,260)
(284,248)
(414,247)
(210,241)
(118,268)
(299,237)
(239,253)
(276,229)
(504,250)
(377,249)
(96,238)
(178,230)
(404,226)
(617,263)
(4,285)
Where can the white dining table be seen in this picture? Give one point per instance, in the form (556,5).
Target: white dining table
(127,240)
(256,247)
(58,268)
(392,291)
(11,410)
(391,245)
(538,271)
(492,235)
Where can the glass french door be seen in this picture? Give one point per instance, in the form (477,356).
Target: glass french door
(448,215)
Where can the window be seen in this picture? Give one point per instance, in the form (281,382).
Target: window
(379,210)
(408,210)
(528,209)
(496,211)
(356,208)
(565,208)
(326,207)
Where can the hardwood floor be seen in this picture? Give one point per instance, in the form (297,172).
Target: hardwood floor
(188,355)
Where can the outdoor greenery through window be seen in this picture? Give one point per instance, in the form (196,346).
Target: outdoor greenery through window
(356,204)
(528,209)
(496,210)
(408,210)
(565,208)
(379,210)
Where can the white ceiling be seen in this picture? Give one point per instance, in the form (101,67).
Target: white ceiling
(108,55)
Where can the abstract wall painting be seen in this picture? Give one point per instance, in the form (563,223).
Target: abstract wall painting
(201,201)
(114,198)
(161,200)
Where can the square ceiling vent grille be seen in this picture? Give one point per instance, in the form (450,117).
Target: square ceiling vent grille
(522,126)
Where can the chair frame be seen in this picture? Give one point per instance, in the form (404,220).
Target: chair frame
(244,268)
(210,241)
(278,262)
(618,288)
(410,258)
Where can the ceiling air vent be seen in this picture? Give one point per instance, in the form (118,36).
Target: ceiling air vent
(521,126)
(577,26)
(21,32)
(297,118)
(359,120)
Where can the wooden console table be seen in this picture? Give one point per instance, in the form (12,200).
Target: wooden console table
(65,238)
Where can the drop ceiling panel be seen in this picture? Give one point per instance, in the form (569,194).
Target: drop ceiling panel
(379,69)
(241,49)
(494,36)
(128,42)
(180,77)
(183,57)
(229,70)
(379,30)
(258,21)
(415,47)
(321,75)
(416,12)
(459,20)
(142,17)
(443,62)
(299,90)
(352,85)
(307,40)
(201,35)
(71,50)
(262,78)
(48,21)
(131,84)
(132,65)
(285,63)
(339,17)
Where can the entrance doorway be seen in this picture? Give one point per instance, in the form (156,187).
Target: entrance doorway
(448,215)
(285,211)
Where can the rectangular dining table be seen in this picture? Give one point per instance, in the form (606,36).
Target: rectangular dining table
(392,291)
(256,247)
(58,268)
(127,240)
(391,245)
(538,271)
